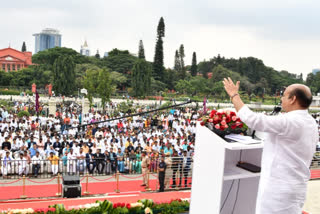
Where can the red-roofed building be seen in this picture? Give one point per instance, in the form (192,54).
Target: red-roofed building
(14,60)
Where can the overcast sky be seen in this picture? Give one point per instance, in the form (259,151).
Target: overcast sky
(283,33)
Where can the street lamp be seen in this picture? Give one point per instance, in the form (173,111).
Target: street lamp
(83,91)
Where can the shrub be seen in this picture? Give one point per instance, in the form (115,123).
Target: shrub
(23,113)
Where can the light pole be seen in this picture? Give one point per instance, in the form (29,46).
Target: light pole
(84,92)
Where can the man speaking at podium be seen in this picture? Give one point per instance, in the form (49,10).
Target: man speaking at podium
(288,149)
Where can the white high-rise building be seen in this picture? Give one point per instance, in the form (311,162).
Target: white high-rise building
(85,49)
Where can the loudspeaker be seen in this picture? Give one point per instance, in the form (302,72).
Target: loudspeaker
(71,191)
(71,179)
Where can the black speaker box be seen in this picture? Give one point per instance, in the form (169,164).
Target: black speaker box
(71,179)
(71,191)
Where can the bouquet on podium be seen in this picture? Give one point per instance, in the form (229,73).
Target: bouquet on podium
(223,122)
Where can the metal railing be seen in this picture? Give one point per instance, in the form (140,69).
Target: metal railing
(14,168)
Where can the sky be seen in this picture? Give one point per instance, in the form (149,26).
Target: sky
(285,34)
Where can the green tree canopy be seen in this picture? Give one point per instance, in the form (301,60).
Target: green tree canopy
(141,78)
(141,51)
(64,75)
(158,64)
(105,87)
(49,56)
(24,47)
(194,66)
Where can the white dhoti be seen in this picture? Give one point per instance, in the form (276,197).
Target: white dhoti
(5,169)
(54,169)
(22,170)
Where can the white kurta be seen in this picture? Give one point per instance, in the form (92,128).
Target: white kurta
(288,150)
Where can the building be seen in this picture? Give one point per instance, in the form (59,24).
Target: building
(106,54)
(85,49)
(48,38)
(315,70)
(14,60)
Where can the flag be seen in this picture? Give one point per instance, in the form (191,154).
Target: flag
(205,105)
(37,102)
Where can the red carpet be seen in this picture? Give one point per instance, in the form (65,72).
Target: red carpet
(38,191)
(70,203)
(315,174)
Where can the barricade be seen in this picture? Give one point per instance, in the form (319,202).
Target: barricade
(59,193)
(87,179)
(175,172)
(23,196)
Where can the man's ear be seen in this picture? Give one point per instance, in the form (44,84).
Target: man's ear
(293,100)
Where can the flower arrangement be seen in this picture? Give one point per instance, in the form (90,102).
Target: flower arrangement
(223,122)
(144,206)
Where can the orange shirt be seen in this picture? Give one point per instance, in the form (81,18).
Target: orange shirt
(66,120)
(54,160)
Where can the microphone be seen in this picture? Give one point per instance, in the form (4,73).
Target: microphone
(276,109)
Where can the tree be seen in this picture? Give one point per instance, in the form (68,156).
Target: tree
(141,51)
(119,61)
(97,55)
(194,66)
(171,78)
(182,72)
(105,87)
(141,78)
(118,79)
(49,56)
(64,75)
(24,47)
(158,67)
(161,28)
(177,65)
(91,82)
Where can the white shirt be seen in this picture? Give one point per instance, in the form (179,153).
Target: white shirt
(36,160)
(288,150)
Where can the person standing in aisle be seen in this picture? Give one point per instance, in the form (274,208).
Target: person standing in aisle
(145,168)
(168,173)
(288,148)
(161,173)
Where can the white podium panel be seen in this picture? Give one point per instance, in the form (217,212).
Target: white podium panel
(215,171)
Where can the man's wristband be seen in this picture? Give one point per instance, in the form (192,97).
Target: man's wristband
(234,96)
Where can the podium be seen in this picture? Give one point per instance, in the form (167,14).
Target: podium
(218,185)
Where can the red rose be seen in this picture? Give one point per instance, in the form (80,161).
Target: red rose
(123,205)
(128,206)
(240,125)
(52,209)
(234,126)
(222,128)
(228,119)
(202,123)
(212,113)
(115,206)
(210,120)
(232,114)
